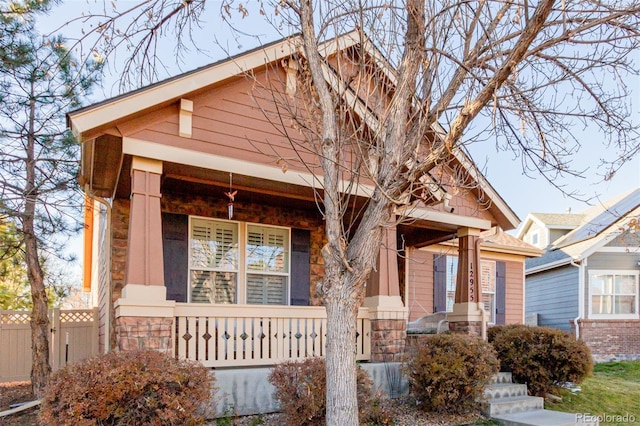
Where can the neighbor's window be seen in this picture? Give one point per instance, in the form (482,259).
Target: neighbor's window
(534,239)
(487,284)
(235,262)
(614,293)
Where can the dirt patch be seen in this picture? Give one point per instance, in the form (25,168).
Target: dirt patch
(15,393)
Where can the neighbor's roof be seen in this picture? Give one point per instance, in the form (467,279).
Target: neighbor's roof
(600,224)
(567,220)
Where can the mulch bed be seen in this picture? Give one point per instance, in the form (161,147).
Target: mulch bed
(402,411)
(14,393)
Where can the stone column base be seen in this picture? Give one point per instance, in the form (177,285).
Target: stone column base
(471,328)
(388,328)
(388,339)
(144,319)
(468,318)
(144,333)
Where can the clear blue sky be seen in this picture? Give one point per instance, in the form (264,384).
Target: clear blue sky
(524,194)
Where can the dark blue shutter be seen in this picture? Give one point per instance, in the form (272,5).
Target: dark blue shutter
(300,267)
(439,283)
(175,253)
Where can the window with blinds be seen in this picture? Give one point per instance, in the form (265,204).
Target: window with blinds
(488,285)
(224,255)
(213,261)
(267,265)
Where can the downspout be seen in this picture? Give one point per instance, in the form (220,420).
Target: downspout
(479,290)
(108,336)
(580,295)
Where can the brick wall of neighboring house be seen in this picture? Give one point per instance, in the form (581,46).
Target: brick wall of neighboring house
(611,339)
(217,208)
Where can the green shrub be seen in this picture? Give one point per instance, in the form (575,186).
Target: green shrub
(301,388)
(541,356)
(127,388)
(448,372)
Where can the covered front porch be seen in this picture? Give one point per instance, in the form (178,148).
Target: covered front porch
(158,307)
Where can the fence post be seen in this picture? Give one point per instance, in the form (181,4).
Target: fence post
(56,338)
(95,333)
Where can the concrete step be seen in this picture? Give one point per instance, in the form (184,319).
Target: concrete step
(514,404)
(543,418)
(501,377)
(497,391)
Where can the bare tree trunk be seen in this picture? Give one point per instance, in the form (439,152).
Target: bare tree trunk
(342,400)
(40,368)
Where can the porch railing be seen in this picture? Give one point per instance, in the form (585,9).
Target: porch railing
(250,335)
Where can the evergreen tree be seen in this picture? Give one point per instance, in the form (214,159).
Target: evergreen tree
(39,83)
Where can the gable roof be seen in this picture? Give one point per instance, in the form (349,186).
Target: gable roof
(559,220)
(497,240)
(600,224)
(565,221)
(87,121)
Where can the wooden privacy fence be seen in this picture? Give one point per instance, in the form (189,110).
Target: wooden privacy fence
(73,335)
(251,335)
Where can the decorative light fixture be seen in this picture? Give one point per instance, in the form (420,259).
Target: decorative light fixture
(232,196)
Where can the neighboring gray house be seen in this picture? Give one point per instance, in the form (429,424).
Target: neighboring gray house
(587,280)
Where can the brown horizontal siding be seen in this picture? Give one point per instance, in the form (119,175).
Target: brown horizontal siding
(231,122)
(420,279)
(421,285)
(514,293)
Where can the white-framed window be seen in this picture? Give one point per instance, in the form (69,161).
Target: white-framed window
(613,294)
(238,262)
(535,238)
(267,265)
(487,284)
(452,277)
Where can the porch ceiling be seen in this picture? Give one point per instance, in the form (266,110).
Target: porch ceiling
(100,164)
(423,233)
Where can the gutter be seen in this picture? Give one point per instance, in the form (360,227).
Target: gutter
(546,266)
(580,267)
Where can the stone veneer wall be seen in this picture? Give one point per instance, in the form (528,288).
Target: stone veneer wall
(471,328)
(388,337)
(611,339)
(144,333)
(217,208)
